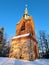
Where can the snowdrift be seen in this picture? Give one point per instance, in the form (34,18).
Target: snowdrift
(12,61)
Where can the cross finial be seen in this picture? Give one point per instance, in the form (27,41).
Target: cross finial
(26,5)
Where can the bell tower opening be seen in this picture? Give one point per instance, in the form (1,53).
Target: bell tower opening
(23,26)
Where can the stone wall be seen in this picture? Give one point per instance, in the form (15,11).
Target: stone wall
(20,49)
(23,49)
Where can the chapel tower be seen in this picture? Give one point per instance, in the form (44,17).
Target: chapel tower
(24,44)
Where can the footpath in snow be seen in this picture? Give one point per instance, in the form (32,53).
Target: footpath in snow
(11,61)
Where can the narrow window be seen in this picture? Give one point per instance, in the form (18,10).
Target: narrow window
(23,26)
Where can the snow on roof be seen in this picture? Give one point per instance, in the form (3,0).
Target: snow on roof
(19,36)
(13,61)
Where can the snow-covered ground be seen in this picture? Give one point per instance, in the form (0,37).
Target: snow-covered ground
(10,61)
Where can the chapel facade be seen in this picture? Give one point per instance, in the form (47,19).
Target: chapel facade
(24,44)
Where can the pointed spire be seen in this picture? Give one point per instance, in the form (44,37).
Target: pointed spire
(26,10)
(26,16)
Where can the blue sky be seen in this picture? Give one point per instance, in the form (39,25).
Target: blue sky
(11,11)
